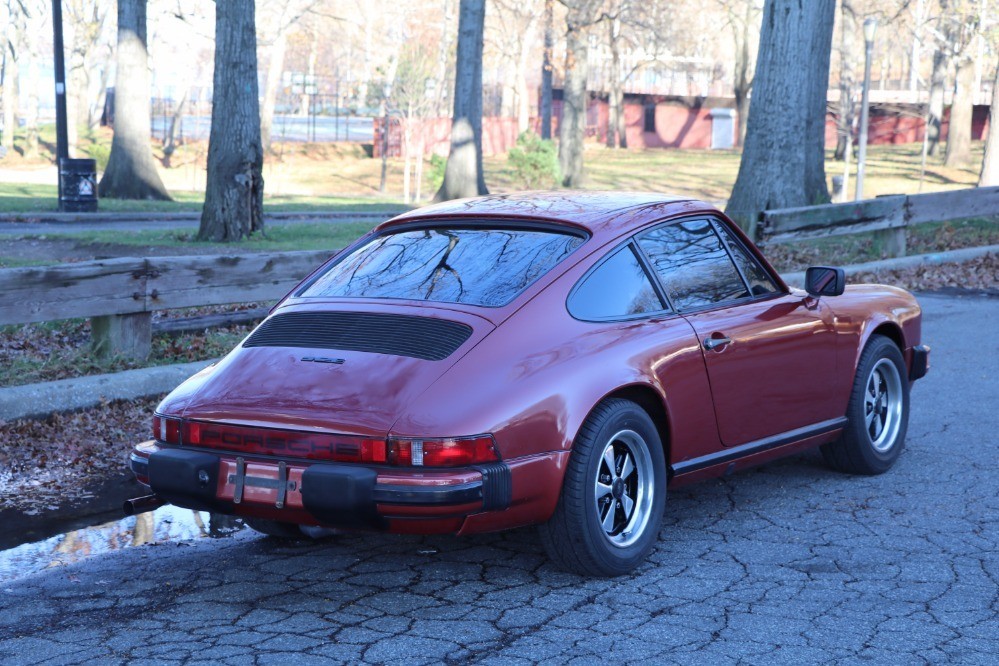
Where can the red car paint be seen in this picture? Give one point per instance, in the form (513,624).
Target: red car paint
(530,373)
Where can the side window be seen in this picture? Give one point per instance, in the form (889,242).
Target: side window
(759,282)
(617,288)
(692,264)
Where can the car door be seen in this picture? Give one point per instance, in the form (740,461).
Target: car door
(769,355)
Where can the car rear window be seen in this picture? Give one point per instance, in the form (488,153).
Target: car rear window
(487,267)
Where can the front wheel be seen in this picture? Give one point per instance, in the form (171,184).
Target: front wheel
(611,507)
(878,412)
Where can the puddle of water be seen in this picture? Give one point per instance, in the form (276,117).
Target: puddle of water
(168,523)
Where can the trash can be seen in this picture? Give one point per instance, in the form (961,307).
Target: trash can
(722,129)
(77,185)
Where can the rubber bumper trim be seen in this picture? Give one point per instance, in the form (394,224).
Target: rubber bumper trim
(497,486)
(429,495)
(920,362)
(185,478)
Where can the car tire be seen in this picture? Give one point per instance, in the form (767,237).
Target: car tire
(878,412)
(608,515)
(274,528)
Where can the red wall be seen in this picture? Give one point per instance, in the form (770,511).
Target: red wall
(498,135)
(677,126)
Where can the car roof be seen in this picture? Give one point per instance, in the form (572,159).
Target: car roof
(599,213)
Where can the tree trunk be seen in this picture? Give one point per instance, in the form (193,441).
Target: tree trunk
(847,79)
(546,71)
(9,96)
(275,67)
(443,57)
(615,121)
(463,175)
(131,172)
(30,79)
(523,61)
(742,82)
(170,145)
(990,164)
(959,134)
(234,192)
(934,117)
(783,162)
(572,125)
(917,46)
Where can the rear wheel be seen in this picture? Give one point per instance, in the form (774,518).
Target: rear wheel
(611,506)
(878,412)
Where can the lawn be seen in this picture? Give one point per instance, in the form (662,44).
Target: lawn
(276,238)
(336,176)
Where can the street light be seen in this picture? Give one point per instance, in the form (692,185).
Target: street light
(870,28)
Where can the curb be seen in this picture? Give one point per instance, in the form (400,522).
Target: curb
(66,395)
(797,279)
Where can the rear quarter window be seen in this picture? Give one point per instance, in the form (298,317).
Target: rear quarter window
(487,267)
(618,288)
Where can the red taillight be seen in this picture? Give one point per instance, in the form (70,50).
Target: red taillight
(450,452)
(293,443)
(444,452)
(166,429)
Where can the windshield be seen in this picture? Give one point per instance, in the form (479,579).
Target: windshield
(488,267)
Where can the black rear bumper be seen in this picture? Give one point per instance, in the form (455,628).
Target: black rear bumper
(338,495)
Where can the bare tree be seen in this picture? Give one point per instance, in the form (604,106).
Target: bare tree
(743,19)
(990,164)
(581,15)
(546,71)
(131,172)
(513,34)
(90,37)
(847,80)
(964,24)
(234,192)
(617,135)
(8,87)
(463,175)
(783,159)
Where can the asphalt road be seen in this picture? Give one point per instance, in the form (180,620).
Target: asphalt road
(791,563)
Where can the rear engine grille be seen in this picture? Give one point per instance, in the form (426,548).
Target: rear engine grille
(398,335)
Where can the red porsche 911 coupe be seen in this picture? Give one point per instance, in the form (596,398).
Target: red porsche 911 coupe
(558,359)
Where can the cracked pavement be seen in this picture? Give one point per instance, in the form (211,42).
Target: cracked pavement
(789,563)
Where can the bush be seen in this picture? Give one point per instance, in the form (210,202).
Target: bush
(534,161)
(100,153)
(436,173)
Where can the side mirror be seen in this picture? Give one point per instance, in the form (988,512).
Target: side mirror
(824,281)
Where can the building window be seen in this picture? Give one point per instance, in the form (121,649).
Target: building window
(650,117)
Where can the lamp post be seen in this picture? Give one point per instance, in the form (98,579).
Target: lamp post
(870,28)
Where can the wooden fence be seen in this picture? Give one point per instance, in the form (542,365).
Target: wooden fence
(119,295)
(890,216)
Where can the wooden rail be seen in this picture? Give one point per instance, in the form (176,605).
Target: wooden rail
(119,295)
(890,216)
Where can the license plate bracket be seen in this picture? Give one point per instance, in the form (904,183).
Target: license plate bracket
(241,480)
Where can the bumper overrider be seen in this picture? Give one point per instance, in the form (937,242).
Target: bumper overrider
(344,495)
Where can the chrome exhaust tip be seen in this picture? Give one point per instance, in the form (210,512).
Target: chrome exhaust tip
(134,507)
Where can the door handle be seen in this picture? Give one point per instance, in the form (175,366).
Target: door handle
(715,343)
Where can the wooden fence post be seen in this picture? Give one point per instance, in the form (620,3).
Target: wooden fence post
(892,241)
(129,335)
